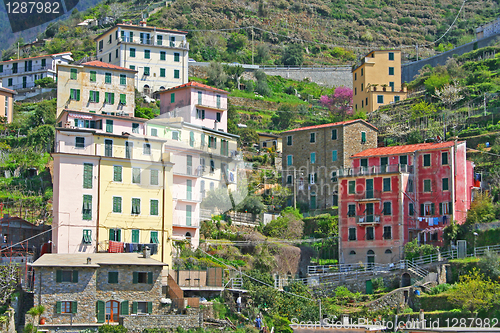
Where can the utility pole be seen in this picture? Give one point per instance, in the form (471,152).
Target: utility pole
(17,50)
(252,44)
(294,188)
(416,47)
(484,102)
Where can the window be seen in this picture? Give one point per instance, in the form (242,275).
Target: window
(69,276)
(387,184)
(312,138)
(44,62)
(109,57)
(396,99)
(313,158)
(363,137)
(142,277)
(391,84)
(444,208)
(172,98)
(132,52)
(79,142)
(112,277)
(313,178)
(391,70)
(444,158)
(218,117)
(289,160)
(107,78)
(159,40)
(93,76)
(154,132)
(87,175)
(93,96)
(212,170)
(66,307)
(334,134)
(162,72)
(136,175)
(136,206)
(153,177)
(403,159)
(87,207)
(9,82)
(135,236)
(445,184)
(109,98)
(380,99)
(146,149)
(361,86)
(391,55)
(109,126)
(123,79)
(73,74)
(153,207)
(427,185)
(117,204)
(218,102)
(176,73)
(427,209)
(289,140)
(74,94)
(131,67)
(352,234)
(362,71)
(352,186)
(108,148)
(146,71)
(334,155)
(147,54)
(289,179)
(370,234)
(411,209)
(87,236)
(154,237)
(351,210)
(116,53)
(427,160)
(117,173)
(387,208)
(175,135)
(334,178)
(387,232)
(355,91)
(200,95)
(352,253)
(163,55)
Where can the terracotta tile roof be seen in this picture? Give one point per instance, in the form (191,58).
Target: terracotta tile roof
(41,56)
(194,84)
(399,150)
(100,64)
(8,90)
(330,125)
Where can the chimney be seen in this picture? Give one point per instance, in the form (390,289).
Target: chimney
(89,261)
(146,252)
(67,124)
(142,23)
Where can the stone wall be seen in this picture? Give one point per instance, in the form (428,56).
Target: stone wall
(395,299)
(136,324)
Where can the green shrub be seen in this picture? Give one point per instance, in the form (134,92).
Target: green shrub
(441,288)
(112,329)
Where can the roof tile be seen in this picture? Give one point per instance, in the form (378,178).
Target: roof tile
(194,84)
(398,150)
(329,125)
(100,64)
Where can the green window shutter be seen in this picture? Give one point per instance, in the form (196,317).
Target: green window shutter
(123,99)
(87,175)
(134,307)
(107,78)
(58,276)
(135,236)
(422,210)
(440,208)
(432,209)
(215,143)
(154,207)
(176,57)
(77,94)
(132,53)
(150,277)
(74,72)
(363,136)
(163,55)
(334,155)
(112,98)
(172,98)
(135,280)
(93,76)
(117,174)
(118,235)
(176,73)
(117,204)
(162,72)
(150,307)
(58,307)
(112,234)
(106,100)
(123,79)
(124,308)
(74,307)
(100,310)
(75,276)
(97,97)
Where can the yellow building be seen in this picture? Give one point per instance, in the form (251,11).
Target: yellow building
(268,140)
(377,80)
(7,100)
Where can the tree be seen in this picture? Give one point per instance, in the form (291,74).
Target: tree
(262,87)
(8,282)
(450,94)
(436,81)
(249,136)
(236,42)
(234,73)
(216,75)
(482,210)
(339,103)
(450,232)
(415,137)
(283,118)
(489,266)
(293,55)
(262,55)
(474,292)
(251,204)
(413,250)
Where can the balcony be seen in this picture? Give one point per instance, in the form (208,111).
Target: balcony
(187,196)
(151,41)
(368,195)
(375,170)
(188,172)
(19,71)
(368,219)
(185,222)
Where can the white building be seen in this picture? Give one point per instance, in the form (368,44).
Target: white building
(160,56)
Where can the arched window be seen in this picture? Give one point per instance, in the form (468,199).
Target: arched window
(388,251)
(352,252)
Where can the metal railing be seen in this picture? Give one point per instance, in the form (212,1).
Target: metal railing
(368,195)
(368,219)
(376,169)
(152,41)
(183,221)
(22,70)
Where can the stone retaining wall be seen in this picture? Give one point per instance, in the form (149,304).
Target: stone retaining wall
(136,324)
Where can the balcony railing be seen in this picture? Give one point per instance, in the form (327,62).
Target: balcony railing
(151,41)
(368,195)
(183,221)
(187,196)
(375,170)
(368,219)
(21,70)
(26,85)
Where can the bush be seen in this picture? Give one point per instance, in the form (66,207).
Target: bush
(112,329)
(441,288)
(46,82)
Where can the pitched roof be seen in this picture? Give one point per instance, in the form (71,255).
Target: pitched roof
(13,92)
(97,259)
(399,150)
(41,56)
(194,84)
(347,122)
(100,64)
(139,27)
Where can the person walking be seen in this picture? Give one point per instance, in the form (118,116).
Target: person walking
(238,303)
(258,322)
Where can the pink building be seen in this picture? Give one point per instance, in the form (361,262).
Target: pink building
(392,195)
(197,104)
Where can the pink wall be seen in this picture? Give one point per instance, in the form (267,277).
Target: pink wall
(120,124)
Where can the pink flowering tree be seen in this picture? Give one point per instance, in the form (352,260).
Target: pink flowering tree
(339,103)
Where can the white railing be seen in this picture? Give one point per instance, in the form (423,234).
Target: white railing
(375,169)
(182,221)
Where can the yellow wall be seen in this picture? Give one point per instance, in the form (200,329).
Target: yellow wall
(7,109)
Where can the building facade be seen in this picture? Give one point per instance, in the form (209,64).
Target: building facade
(391,195)
(268,141)
(7,101)
(489,29)
(21,74)
(377,80)
(96,87)
(160,56)
(312,157)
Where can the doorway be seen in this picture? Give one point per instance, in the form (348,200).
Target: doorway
(112,314)
(370,258)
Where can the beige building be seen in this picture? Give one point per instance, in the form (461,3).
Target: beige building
(7,100)
(96,87)
(313,156)
(160,56)
(377,80)
(267,141)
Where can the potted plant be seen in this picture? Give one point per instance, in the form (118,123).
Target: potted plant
(37,311)
(384,87)
(374,87)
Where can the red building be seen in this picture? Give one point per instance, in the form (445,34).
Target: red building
(392,195)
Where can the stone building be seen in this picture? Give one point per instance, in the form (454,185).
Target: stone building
(313,155)
(96,288)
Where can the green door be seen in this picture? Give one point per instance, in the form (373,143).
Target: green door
(188,215)
(369,287)
(189,189)
(369,188)
(25,81)
(313,202)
